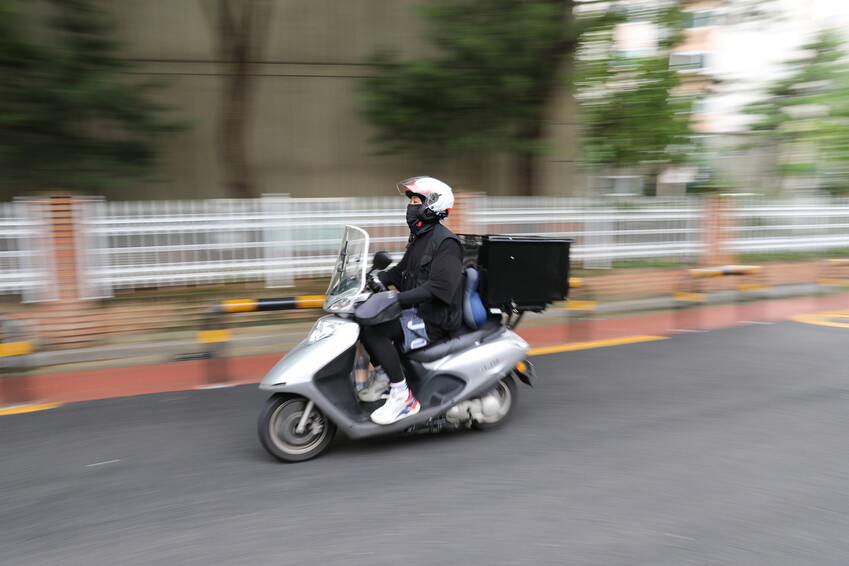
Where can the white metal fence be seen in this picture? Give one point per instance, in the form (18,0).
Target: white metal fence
(800,224)
(605,230)
(27,268)
(276,240)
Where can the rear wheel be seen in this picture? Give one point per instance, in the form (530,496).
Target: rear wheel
(278,429)
(497,404)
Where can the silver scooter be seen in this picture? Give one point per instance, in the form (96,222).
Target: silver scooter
(466,382)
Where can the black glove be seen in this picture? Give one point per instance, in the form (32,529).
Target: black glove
(380,307)
(374,283)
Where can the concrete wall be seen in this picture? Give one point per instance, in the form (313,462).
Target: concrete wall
(306,138)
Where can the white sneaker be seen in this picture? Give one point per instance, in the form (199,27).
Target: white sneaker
(374,390)
(400,405)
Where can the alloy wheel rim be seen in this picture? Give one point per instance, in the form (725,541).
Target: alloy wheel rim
(282,428)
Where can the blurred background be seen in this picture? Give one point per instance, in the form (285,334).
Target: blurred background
(160,156)
(175,153)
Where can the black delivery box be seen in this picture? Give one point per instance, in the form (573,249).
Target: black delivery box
(519,272)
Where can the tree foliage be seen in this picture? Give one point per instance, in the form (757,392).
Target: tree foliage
(806,114)
(498,64)
(69,117)
(632,109)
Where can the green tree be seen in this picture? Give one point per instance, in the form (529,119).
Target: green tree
(498,64)
(633,111)
(69,117)
(805,114)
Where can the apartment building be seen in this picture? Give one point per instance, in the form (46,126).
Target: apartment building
(729,55)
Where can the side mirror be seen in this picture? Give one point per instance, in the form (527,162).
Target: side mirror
(382,260)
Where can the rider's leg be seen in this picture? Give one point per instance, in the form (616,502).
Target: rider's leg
(378,340)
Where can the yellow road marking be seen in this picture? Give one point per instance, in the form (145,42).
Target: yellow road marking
(594,344)
(823,318)
(29,408)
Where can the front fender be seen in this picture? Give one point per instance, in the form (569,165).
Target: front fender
(304,360)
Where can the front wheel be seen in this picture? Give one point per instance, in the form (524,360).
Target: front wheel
(497,403)
(278,429)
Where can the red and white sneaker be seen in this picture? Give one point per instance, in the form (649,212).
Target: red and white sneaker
(400,405)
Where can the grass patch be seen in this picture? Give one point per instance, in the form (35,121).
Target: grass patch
(636,264)
(790,256)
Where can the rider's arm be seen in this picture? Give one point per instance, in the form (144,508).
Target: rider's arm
(414,296)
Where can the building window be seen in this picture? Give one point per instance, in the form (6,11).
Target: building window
(701,19)
(621,185)
(690,61)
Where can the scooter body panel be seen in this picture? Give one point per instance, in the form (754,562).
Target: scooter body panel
(484,364)
(302,362)
(310,367)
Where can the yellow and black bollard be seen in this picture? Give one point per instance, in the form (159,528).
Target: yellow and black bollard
(580,329)
(14,363)
(834,275)
(691,291)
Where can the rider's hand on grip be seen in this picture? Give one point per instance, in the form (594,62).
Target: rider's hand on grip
(374,283)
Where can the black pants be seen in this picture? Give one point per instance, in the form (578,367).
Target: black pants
(380,342)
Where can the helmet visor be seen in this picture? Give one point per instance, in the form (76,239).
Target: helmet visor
(407,187)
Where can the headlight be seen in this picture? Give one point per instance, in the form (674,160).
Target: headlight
(340,306)
(323,328)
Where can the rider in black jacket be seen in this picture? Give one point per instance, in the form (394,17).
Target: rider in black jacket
(428,281)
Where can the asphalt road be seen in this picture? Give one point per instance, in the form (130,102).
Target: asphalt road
(727,447)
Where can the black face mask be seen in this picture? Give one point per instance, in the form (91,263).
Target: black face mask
(413,215)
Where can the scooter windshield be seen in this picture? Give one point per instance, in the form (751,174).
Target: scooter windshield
(349,274)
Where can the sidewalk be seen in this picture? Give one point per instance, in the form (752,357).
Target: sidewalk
(141,370)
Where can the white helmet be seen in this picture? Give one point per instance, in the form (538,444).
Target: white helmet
(437,197)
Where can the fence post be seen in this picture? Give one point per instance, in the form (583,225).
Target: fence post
(277,236)
(716,228)
(61,318)
(463,218)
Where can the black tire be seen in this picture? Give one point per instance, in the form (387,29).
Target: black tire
(277,429)
(507,394)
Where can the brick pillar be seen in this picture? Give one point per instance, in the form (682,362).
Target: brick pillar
(716,233)
(66,322)
(462,217)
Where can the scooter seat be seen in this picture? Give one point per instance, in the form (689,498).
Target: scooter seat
(437,351)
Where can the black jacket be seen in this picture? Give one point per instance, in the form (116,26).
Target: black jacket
(429,276)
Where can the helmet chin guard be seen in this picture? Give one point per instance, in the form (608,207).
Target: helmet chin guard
(437,197)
